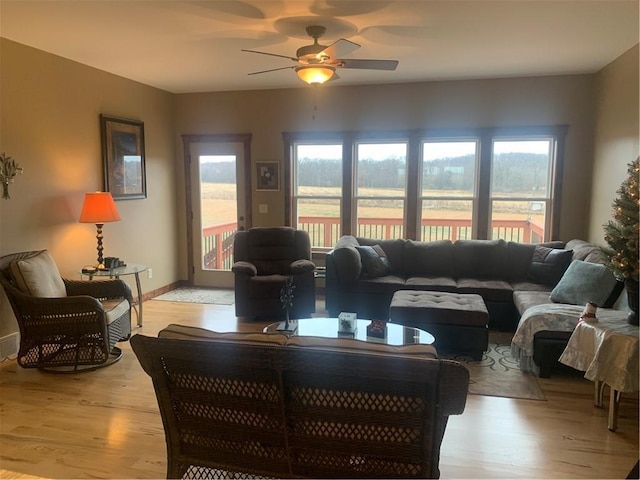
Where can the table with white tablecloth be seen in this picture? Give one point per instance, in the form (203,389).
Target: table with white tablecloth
(607,351)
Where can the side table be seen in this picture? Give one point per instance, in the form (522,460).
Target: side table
(607,351)
(129,269)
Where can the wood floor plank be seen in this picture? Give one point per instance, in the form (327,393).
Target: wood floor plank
(106,424)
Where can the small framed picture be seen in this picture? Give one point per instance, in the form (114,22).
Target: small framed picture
(123,157)
(268,176)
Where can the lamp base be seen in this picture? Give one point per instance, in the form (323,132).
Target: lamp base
(101,266)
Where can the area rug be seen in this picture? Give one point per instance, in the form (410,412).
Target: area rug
(498,374)
(199,295)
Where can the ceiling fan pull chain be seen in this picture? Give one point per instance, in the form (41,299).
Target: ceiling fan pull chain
(315,102)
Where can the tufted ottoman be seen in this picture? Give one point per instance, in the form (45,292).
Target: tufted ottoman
(459,322)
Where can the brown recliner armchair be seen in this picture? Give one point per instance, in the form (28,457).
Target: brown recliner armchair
(264,258)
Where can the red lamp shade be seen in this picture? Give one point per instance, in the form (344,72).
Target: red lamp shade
(99,207)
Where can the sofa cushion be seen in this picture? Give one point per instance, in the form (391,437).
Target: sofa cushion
(378,285)
(38,276)
(548,265)
(429,259)
(436,284)
(527,298)
(481,259)
(490,290)
(530,287)
(374,261)
(585,282)
(581,249)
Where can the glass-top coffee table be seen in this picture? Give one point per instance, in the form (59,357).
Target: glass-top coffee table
(329,327)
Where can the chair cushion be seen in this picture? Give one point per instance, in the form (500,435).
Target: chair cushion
(38,276)
(360,346)
(585,282)
(115,309)
(195,333)
(322,343)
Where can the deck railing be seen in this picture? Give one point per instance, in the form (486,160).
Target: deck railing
(217,240)
(217,245)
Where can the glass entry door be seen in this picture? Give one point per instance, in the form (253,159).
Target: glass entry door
(218,203)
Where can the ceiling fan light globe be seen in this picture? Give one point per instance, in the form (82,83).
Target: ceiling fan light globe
(315,74)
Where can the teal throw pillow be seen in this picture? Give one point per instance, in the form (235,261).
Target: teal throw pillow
(585,282)
(374,261)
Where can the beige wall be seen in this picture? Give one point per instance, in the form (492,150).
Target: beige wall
(616,136)
(49,118)
(503,102)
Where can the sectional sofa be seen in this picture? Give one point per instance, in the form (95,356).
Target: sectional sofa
(362,274)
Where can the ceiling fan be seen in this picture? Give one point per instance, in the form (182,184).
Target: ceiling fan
(318,63)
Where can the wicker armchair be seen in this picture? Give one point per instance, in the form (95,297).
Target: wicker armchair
(257,405)
(70,327)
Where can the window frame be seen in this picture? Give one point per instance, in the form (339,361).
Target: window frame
(481,216)
(357,196)
(473,198)
(547,199)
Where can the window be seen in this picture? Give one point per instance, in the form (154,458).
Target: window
(520,189)
(318,191)
(381,189)
(448,190)
(483,183)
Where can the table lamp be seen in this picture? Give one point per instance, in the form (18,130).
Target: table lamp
(99,208)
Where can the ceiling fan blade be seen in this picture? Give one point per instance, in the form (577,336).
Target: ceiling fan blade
(339,48)
(270,54)
(368,64)
(271,70)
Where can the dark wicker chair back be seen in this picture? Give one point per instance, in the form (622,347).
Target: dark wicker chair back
(235,410)
(67,334)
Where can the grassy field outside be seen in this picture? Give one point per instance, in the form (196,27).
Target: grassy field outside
(219,205)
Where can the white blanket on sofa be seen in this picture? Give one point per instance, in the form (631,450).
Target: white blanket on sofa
(549,316)
(557,317)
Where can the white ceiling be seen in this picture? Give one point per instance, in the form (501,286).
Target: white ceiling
(194,46)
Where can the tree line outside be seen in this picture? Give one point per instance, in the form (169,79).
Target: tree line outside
(513,174)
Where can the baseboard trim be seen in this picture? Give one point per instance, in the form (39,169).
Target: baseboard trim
(167,288)
(9,345)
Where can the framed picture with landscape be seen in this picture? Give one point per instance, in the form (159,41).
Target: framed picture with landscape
(268,176)
(123,157)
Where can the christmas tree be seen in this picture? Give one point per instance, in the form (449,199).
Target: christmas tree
(621,234)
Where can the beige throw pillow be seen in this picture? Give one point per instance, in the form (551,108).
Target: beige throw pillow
(38,276)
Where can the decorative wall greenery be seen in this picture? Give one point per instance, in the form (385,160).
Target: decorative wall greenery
(9,168)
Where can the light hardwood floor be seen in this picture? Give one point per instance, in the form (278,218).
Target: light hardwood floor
(106,424)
